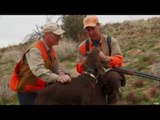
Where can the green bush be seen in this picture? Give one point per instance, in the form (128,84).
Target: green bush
(73,25)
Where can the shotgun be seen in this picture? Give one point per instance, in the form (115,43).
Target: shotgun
(131,72)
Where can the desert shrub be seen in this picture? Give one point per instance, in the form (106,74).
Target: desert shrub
(66,49)
(7,96)
(11,56)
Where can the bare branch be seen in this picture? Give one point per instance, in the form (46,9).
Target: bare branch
(59,19)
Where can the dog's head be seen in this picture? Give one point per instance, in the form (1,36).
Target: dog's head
(93,64)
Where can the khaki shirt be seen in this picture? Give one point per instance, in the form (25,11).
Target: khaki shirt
(37,65)
(115,48)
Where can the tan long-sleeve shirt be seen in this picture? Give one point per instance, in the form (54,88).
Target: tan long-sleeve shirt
(115,48)
(37,65)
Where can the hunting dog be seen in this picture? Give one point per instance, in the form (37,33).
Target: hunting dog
(81,91)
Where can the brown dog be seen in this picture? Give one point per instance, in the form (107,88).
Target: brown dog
(81,91)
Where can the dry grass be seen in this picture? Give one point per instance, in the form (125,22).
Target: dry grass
(66,49)
(129,32)
(138,83)
(10,56)
(155,69)
(7,96)
(132,98)
(149,93)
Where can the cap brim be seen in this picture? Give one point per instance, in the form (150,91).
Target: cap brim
(59,32)
(89,25)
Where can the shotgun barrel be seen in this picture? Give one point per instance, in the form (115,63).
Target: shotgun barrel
(131,72)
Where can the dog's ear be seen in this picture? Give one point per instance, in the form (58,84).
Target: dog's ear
(95,50)
(100,70)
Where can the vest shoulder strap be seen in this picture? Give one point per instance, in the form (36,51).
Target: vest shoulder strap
(109,44)
(108,38)
(87,45)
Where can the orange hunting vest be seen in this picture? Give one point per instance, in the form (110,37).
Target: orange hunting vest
(115,60)
(23,80)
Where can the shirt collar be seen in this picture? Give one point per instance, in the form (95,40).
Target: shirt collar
(46,46)
(100,40)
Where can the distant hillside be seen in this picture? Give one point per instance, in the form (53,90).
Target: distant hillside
(139,40)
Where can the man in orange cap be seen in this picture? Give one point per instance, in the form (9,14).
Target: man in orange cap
(110,55)
(39,66)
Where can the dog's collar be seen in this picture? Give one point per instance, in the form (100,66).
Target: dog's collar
(90,74)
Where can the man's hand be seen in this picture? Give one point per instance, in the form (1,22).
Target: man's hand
(68,78)
(102,56)
(64,79)
(61,73)
(83,61)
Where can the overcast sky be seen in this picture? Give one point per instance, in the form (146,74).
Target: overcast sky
(13,28)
